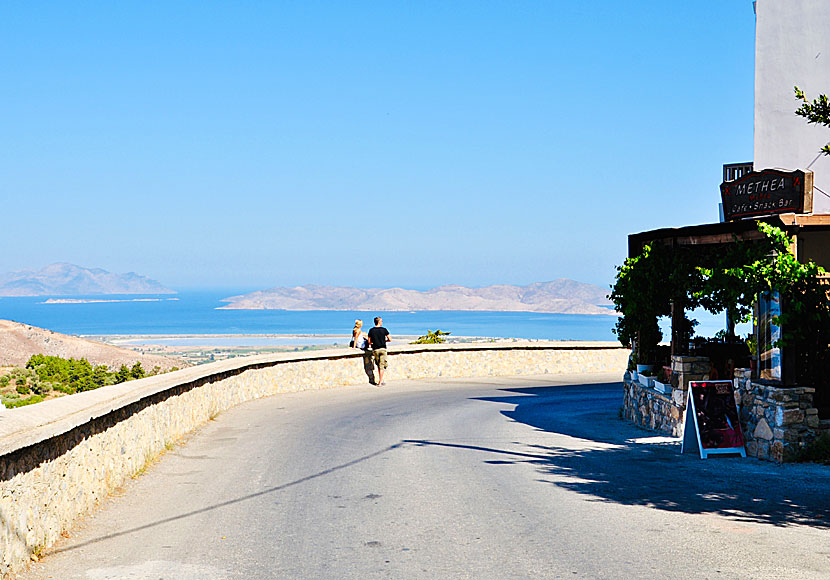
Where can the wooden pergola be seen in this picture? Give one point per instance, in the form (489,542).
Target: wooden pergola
(811,234)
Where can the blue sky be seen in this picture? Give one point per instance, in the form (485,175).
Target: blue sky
(255,144)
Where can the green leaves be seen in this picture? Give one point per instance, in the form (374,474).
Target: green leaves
(430,337)
(77,375)
(720,278)
(817,112)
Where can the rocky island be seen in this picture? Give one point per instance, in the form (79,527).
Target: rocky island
(62,279)
(560,296)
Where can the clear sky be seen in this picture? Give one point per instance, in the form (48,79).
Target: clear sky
(389,143)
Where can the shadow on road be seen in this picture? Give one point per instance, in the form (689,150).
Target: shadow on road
(606,462)
(250,496)
(614,464)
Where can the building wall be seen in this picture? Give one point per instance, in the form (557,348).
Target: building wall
(792,48)
(814,246)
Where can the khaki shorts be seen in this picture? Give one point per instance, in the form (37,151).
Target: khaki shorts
(380,358)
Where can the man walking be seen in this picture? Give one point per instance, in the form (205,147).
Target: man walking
(378,337)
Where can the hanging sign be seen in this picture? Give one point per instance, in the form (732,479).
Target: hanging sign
(771,191)
(712,424)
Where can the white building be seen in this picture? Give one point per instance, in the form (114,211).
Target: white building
(792,48)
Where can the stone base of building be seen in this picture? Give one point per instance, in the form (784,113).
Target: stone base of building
(777,421)
(646,407)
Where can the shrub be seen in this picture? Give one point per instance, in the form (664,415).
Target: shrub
(818,451)
(65,389)
(41,387)
(122,375)
(137,372)
(23,402)
(430,337)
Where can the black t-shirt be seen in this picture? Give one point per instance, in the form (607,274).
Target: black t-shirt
(377,336)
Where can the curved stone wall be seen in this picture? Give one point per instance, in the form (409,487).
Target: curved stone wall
(60,458)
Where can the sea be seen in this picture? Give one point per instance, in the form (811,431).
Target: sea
(198,313)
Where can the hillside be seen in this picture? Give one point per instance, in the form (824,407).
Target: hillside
(63,279)
(559,296)
(18,342)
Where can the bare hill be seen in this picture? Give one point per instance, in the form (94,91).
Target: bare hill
(559,296)
(18,342)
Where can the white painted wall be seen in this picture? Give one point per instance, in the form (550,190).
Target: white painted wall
(792,48)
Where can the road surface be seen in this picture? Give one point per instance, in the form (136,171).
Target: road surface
(490,478)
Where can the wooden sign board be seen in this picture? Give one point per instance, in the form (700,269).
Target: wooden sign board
(767,192)
(712,422)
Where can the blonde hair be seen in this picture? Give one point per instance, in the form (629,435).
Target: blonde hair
(358,323)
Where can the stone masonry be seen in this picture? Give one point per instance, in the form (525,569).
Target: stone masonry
(646,407)
(777,421)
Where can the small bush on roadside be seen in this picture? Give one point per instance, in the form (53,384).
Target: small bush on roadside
(430,337)
(818,451)
(23,402)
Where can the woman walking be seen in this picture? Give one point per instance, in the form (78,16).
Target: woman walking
(361,340)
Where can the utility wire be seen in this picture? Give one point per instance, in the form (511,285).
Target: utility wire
(820,190)
(816,159)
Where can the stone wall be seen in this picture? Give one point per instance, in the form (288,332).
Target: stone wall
(658,410)
(776,421)
(60,458)
(646,407)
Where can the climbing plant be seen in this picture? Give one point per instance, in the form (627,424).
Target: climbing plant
(721,278)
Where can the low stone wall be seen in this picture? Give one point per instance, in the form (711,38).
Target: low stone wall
(646,407)
(663,411)
(59,458)
(776,421)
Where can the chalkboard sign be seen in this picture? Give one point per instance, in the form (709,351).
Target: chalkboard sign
(767,192)
(712,424)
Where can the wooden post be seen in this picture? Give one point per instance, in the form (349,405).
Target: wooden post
(678,317)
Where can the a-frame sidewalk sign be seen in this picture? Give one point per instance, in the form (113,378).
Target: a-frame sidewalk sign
(712,424)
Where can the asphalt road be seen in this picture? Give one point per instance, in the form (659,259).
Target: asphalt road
(480,478)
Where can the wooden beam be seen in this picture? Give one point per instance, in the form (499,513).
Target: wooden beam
(717,238)
(812,220)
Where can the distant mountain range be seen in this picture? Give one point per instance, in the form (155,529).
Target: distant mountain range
(559,296)
(63,279)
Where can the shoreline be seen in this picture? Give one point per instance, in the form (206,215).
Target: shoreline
(195,348)
(290,339)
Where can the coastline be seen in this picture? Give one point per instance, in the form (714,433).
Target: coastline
(323,338)
(599,311)
(196,348)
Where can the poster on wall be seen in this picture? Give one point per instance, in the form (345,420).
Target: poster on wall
(712,423)
(769,333)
